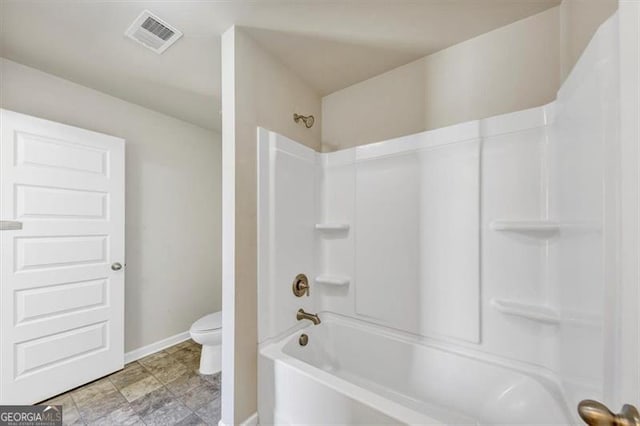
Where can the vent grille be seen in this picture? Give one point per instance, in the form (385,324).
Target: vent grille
(157,29)
(153,32)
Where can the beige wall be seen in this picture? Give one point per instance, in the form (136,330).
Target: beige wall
(508,69)
(173,184)
(512,68)
(579,20)
(257,90)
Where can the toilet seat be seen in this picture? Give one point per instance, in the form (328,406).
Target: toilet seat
(207,323)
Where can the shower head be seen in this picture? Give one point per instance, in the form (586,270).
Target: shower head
(307,120)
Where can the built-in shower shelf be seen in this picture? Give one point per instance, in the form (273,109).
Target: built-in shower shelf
(543,227)
(544,314)
(332,280)
(539,313)
(332,227)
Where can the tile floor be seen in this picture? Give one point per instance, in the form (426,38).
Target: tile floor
(161,389)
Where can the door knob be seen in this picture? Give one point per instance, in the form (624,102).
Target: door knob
(595,413)
(116,266)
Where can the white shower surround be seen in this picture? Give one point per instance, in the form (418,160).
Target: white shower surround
(479,246)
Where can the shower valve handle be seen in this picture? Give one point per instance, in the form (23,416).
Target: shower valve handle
(300,285)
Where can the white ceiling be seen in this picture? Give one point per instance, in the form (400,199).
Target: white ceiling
(330,43)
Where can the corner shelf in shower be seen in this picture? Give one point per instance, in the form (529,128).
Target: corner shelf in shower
(332,227)
(540,313)
(332,280)
(544,314)
(542,227)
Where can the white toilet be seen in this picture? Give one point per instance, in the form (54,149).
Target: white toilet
(208,332)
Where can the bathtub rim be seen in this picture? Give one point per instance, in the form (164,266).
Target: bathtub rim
(389,407)
(273,349)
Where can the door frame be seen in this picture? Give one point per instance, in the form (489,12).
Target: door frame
(624,370)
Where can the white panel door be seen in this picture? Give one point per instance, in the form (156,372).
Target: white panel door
(62,245)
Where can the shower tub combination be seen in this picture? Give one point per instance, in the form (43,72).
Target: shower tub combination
(444,267)
(354,373)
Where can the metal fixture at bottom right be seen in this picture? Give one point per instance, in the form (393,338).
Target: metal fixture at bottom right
(595,413)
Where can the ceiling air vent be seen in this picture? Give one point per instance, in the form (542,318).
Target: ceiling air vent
(153,32)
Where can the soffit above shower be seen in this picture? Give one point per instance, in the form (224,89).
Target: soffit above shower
(330,44)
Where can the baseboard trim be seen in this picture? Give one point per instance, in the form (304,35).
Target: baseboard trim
(252,420)
(136,354)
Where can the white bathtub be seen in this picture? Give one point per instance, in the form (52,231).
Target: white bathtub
(356,373)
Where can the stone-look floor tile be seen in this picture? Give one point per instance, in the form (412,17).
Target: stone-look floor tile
(215,379)
(193,346)
(58,400)
(185,383)
(155,357)
(187,356)
(189,346)
(196,352)
(101,405)
(124,416)
(92,390)
(132,373)
(97,400)
(171,373)
(152,401)
(140,388)
(158,359)
(168,414)
(182,345)
(197,397)
(70,414)
(210,412)
(166,369)
(136,394)
(173,349)
(194,365)
(191,420)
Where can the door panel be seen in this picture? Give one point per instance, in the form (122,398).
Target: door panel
(61,304)
(48,151)
(49,301)
(37,254)
(47,351)
(41,202)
